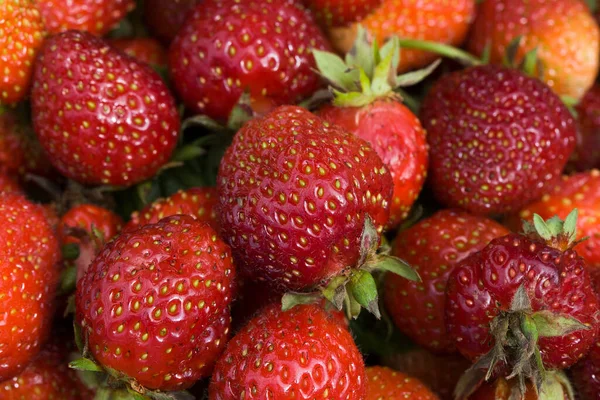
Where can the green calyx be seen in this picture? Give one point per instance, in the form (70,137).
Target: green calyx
(367,73)
(554,232)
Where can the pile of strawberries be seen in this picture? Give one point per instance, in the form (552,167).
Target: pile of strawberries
(299,199)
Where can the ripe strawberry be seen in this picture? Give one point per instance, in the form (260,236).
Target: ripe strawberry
(165,18)
(587,152)
(21,34)
(341,12)
(557,387)
(435,20)
(8,184)
(103,117)
(563,31)
(386,384)
(510,139)
(524,302)
(196,202)
(249,46)
(302,353)
(586,375)
(294,195)
(95,16)
(581,191)
(146,50)
(433,247)
(154,304)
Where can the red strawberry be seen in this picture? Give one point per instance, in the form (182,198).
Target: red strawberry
(94,16)
(581,191)
(228,46)
(386,384)
(165,18)
(154,305)
(302,353)
(433,247)
(146,50)
(558,387)
(29,257)
(103,117)
(587,152)
(498,139)
(8,184)
(21,34)
(586,375)
(341,12)
(196,202)
(564,33)
(294,196)
(524,300)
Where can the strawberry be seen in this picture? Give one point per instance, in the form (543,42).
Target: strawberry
(587,152)
(341,12)
(564,33)
(302,353)
(29,257)
(581,191)
(165,18)
(524,303)
(146,50)
(372,111)
(21,35)
(154,304)
(95,16)
(433,247)
(227,47)
(386,384)
(196,202)
(510,139)
(586,375)
(557,387)
(435,20)
(8,184)
(118,128)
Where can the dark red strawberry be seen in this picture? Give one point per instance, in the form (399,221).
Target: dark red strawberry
(498,139)
(524,302)
(341,12)
(227,47)
(586,375)
(165,18)
(557,387)
(197,202)
(386,384)
(154,305)
(146,50)
(103,117)
(94,16)
(433,247)
(8,184)
(587,152)
(302,353)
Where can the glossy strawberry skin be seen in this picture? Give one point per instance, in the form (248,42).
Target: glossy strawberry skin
(95,16)
(586,375)
(266,51)
(165,18)
(387,384)
(341,12)
(21,35)
(484,284)
(155,303)
(198,202)
(433,247)
(293,195)
(563,31)
(90,218)
(498,139)
(398,138)
(102,117)
(303,351)
(146,50)
(587,152)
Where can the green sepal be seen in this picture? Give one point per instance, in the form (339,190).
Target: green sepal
(397,266)
(592,4)
(203,121)
(79,338)
(549,324)
(70,251)
(414,77)
(441,49)
(369,240)
(363,288)
(333,68)
(290,299)
(510,54)
(85,364)
(335,291)
(68,279)
(70,307)
(530,63)
(352,306)
(363,55)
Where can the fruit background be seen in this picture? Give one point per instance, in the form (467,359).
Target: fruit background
(299,199)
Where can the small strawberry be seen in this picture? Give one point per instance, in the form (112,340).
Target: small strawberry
(21,35)
(433,247)
(587,152)
(386,384)
(564,33)
(302,353)
(498,139)
(556,386)
(341,12)
(103,117)
(146,50)
(581,191)
(154,304)
(8,184)
(524,303)
(94,16)
(586,375)
(196,202)
(165,18)
(227,47)
(434,20)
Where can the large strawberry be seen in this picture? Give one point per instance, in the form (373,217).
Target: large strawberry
(164,18)
(251,46)
(154,306)
(587,152)
(302,353)
(523,304)
(146,50)
(433,247)
(386,384)
(557,386)
(498,139)
(435,20)
(102,117)
(564,33)
(94,16)
(371,109)
(21,34)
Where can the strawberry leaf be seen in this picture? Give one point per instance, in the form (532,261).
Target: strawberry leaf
(333,68)
(549,324)
(397,266)
(414,77)
(363,288)
(361,54)
(541,227)
(84,364)
(570,225)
